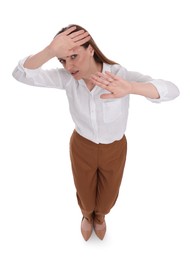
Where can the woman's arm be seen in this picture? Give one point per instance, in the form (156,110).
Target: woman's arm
(118,87)
(29,71)
(61,45)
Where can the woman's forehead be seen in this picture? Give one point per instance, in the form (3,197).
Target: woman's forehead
(76,50)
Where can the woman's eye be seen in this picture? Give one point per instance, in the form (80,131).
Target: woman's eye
(73,56)
(62,61)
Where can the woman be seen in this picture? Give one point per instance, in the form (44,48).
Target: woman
(98,93)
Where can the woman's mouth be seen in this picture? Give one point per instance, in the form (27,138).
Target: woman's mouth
(74,73)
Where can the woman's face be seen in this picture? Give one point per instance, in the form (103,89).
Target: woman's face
(79,64)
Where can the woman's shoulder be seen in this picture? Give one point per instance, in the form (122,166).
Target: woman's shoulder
(118,69)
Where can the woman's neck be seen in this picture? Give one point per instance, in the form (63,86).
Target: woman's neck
(97,68)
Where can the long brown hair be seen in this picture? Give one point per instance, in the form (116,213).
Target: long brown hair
(98,55)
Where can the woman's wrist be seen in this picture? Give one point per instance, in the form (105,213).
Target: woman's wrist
(37,60)
(144,89)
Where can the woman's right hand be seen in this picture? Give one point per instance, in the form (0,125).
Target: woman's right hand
(63,44)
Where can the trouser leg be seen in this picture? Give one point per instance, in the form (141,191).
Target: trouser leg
(111,165)
(83,155)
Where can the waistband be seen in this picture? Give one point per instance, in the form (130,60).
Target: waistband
(89,142)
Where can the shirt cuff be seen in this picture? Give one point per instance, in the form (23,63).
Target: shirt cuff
(162,89)
(29,72)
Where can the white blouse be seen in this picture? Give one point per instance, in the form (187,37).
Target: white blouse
(99,120)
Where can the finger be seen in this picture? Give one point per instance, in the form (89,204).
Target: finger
(100,82)
(81,36)
(100,74)
(108,88)
(108,79)
(100,77)
(107,96)
(78,33)
(82,41)
(112,76)
(70,30)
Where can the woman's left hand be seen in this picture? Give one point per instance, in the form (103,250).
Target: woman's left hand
(114,84)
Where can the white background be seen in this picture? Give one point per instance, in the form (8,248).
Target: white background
(39,215)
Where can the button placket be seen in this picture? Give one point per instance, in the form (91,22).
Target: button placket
(93,116)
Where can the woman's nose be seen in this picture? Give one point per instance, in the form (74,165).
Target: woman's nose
(68,65)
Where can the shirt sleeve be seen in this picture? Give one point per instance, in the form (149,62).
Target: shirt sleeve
(52,78)
(166,89)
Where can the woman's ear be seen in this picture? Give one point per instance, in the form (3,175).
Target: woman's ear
(91,50)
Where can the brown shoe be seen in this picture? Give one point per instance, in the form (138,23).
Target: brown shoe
(100,229)
(86,228)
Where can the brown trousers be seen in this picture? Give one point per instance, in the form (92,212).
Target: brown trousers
(97,171)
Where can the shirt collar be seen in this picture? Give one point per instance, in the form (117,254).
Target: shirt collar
(105,67)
